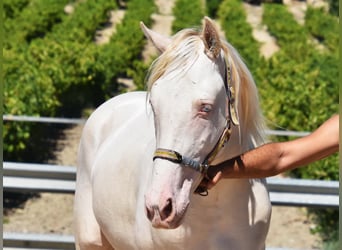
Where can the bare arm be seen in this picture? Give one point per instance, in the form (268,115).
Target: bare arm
(274,158)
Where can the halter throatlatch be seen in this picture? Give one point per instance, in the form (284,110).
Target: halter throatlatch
(176,157)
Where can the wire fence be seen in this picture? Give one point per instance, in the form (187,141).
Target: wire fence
(24,118)
(80,121)
(57,179)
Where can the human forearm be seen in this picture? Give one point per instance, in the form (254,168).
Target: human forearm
(321,143)
(274,158)
(258,163)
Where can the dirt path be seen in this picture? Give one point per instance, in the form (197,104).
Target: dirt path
(115,17)
(290,228)
(254,18)
(52,213)
(162,23)
(49,213)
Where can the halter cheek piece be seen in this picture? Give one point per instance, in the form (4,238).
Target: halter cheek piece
(176,157)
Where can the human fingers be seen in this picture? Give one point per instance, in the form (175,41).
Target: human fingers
(211,183)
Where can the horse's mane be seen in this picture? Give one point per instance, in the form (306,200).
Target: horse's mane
(183,52)
(247,99)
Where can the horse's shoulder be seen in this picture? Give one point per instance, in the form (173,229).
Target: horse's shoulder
(111,115)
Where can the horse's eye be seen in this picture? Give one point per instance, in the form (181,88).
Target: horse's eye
(206,108)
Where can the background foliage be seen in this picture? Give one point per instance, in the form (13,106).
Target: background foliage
(51,64)
(188,13)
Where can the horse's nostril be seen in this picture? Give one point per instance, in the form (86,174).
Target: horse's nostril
(149,213)
(167,210)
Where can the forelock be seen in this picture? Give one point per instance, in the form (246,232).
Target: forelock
(177,58)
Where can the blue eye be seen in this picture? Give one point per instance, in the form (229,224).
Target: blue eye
(206,108)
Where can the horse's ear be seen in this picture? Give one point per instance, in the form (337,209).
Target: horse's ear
(211,38)
(158,40)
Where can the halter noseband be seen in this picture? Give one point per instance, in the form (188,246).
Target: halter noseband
(176,157)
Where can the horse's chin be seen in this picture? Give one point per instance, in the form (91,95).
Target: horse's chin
(182,204)
(179,218)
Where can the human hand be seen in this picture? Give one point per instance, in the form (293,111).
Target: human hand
(213,176)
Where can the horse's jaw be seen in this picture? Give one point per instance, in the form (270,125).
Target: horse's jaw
(166,207)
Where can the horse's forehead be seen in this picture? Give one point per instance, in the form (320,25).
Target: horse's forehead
(205,69)
(201,74)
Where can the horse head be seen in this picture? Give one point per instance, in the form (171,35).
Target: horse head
(193,87)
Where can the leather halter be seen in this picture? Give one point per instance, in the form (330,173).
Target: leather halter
(174,156)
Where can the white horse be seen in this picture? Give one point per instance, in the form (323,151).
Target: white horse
(143,154)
